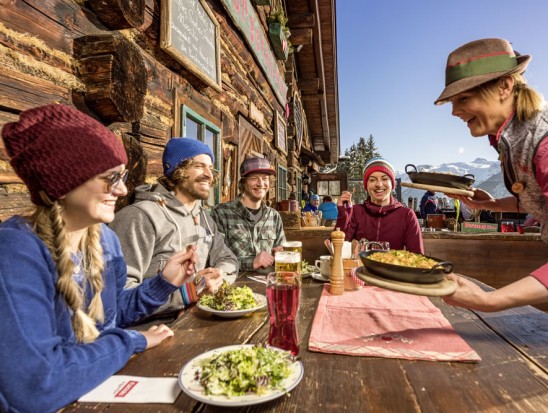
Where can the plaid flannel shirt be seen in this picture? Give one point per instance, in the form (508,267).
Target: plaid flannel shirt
(245,237)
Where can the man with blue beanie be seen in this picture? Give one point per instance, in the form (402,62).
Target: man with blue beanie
(168,217)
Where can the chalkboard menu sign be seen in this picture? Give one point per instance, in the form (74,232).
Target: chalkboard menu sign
(190,33)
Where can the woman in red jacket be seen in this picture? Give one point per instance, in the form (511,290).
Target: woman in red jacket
(380,217)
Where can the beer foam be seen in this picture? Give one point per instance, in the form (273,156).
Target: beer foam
(287,256)
(292,244)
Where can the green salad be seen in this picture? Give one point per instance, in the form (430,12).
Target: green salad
(246,370)
(230,298)
(306,267)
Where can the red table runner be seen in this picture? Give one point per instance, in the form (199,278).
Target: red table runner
(377,322)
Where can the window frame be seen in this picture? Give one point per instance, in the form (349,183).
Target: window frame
(281,179)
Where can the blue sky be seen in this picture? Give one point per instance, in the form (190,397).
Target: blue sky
(391,62)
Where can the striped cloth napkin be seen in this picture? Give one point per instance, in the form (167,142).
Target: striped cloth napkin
(380,323)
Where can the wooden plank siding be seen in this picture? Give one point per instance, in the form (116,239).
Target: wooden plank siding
(38,66)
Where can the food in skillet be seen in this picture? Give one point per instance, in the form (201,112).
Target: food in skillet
(403,258)
(230,298)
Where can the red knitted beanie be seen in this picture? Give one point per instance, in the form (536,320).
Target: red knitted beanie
(56,148)
(378,165)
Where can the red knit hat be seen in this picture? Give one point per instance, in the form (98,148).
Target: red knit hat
(378,165)
(56,148)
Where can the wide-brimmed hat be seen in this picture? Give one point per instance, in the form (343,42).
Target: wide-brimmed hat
(478,62)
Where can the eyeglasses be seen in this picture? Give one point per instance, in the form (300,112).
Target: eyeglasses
(114,180)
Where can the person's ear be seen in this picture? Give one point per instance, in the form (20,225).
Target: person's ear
(505,87)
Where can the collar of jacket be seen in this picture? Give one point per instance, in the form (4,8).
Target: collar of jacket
(244,212)
(378,211)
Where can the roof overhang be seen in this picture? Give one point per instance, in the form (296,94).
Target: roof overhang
(313,26)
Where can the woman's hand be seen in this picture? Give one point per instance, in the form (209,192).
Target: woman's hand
(467,294)
(345,197)
(156,334)
(481,200)
(181,266)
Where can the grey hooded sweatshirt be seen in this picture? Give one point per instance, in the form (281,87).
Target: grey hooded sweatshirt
(156,226)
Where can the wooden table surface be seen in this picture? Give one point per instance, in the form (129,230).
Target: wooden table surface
(511,377)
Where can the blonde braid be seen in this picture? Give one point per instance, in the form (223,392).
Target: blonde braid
(50,227)
(94,265)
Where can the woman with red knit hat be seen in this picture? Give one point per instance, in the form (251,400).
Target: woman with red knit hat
(63,304)
(381,217)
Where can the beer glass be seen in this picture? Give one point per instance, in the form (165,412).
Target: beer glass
(288,261)
(296,246)
(283,294)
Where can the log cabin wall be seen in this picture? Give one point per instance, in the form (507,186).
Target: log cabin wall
(105,58)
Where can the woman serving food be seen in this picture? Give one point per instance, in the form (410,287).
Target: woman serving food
(484,83)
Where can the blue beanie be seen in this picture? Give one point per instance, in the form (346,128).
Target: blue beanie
(179,150)
(315,197)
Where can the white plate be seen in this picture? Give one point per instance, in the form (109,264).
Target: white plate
(318,277)
(261,303)
(189,384)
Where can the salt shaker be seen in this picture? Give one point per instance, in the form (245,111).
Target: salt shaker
(336,278)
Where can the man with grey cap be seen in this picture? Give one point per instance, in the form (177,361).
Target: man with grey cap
(168,217)
(252,230)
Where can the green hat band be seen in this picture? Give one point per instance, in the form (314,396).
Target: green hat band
(480,66)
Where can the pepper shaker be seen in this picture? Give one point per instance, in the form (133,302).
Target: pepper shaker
(337,272)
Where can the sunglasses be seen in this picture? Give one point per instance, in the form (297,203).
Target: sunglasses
(114,180)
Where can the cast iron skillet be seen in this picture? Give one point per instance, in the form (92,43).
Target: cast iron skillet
(439,179)
(406,274)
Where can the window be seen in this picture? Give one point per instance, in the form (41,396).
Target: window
(196,127)
(281,179)
(332,188)
(299,189)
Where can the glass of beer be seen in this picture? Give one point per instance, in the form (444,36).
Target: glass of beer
(288,261)
(296,246)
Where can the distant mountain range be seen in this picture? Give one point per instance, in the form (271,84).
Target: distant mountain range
(488,176)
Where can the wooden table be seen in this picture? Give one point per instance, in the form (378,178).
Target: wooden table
(511,377)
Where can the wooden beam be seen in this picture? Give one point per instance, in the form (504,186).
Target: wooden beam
(301,37)
(312,98)
(309,86)
(301,21)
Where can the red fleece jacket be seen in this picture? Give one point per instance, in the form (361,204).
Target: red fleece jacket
(394,223)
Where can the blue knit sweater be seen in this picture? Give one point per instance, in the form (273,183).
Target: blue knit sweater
(42,367)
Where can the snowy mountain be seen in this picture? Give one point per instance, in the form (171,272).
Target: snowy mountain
(487,175)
